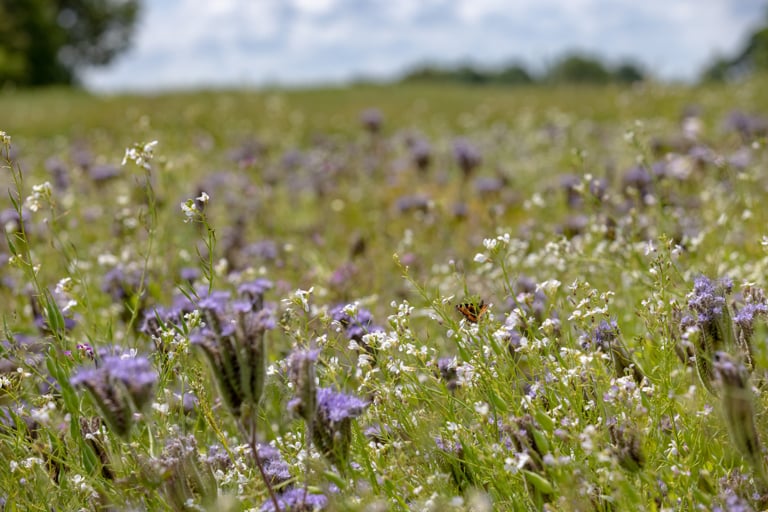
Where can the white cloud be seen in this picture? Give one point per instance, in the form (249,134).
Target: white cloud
(189,42)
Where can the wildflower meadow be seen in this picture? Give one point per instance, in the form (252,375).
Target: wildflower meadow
(385,298)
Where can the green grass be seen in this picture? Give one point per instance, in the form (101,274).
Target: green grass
(536,412)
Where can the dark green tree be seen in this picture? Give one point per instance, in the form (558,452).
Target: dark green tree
(512,74)
(628,73)
(45,42)
(577,68)
(752,58)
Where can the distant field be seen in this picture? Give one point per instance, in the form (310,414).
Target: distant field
(541,298)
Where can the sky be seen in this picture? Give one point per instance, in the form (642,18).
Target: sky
(238,43)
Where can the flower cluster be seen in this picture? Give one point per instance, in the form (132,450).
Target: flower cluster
(120,386)
(233,342)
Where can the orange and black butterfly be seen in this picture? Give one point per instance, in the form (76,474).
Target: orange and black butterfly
(472,311)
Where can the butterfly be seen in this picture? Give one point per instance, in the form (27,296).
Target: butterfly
(471,311)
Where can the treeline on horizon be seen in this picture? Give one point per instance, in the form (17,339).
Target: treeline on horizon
(575,68)
(572,68)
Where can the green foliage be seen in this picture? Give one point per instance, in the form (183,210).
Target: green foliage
(570,69)
(525,409)
(751,59)
(46,42)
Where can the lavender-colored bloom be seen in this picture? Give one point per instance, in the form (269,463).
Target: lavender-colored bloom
(292,159)
(746,316)
(103,172)
(355,327)
(702,155)
(189,274)
(119,386)
(337,407)
(276,469)
(708,298)
(574,225)
(264,249)
(379,433)
(598,188)
(411,203)
(254,291)
(460,210)
(746,125)
(372,120)
(343,274)
(81,156)
(217,458)
(447,368)
(9,219)
(467,156)
(452,457)
(136,374)
(332,428)
(233,342)
(639,179)
(488,185)
(58,170)
(732,502)
(120,285)
(297,500)
(570,183)
(248,152)
(421,154)
(216,301)
(604,335)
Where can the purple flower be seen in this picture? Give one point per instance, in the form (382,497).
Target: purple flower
(604,335)
(189,274)
(421,154)
(297,500)
(102,173)
(467,156)
(355,327)
(447,368)
(372,119)
(254,291)
(708,298)
(276,469)
(58,170)
(119,386)
(337,407)
(746,316)
(413,203)
(639,179)
(332,428)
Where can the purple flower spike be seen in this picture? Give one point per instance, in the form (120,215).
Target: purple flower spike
(119,386)
(297,500)
(467,156)
(706,299)
(339,406)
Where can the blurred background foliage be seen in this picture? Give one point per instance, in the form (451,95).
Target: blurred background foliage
(50,42)
(45,42)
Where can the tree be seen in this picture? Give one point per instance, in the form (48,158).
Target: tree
(46,42)
(628,73)
(576,68)
(752,58)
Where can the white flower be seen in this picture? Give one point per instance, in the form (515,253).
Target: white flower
(203,198)
(40,193)
(190,210)
(141,154)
